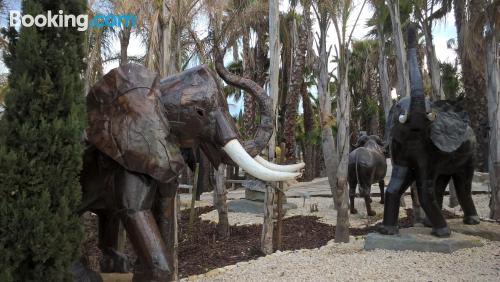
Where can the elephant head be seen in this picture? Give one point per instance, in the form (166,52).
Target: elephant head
(196,108)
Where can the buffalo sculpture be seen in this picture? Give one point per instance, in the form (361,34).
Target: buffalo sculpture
(367,165)
(429,145)
(138,125)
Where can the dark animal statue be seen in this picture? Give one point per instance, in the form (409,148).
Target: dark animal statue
(137,126)
(367,165)
(429,145)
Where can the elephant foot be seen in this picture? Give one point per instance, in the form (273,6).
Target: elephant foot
(387,229)
(354,211)
(442,232)
(371,213)
(114,261)
(144,274)
(471,220)
(81,273)
(426,222)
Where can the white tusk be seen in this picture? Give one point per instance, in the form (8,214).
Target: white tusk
(403,118)
(238,154)
(277,167)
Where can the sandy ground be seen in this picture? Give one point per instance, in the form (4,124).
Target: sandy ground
(349,262)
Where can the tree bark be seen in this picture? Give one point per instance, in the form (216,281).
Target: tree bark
(248,102)
(308,116)
(343,146)
(432,63)
(124,42)
(296,83)
(493,82)
(382,70)
(325,105)
(399,49)
(266,240)
(220,198)
(274,67)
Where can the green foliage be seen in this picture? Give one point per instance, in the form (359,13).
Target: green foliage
(451,81)
(41,148)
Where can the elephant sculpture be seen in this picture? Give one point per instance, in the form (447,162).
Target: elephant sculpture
(429,144)
(138,125)
(367,165)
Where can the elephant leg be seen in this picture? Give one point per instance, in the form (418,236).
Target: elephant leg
(401,178)
(133,195)
(352,196)
(165,212)
(439,187)
(368,205)
(463,188)
(429,204)
(113,261)
(381,185)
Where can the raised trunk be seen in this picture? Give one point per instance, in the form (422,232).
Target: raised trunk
(382,70)
(417,104)
(124,42)
(399,49)
(432,64)
(296,83)
(493,82)
(265,129)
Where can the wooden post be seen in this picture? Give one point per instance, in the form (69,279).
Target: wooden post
(266,240)
(278,235)
(220,198)
(192,212)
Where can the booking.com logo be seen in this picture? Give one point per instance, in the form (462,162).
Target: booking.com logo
(81,22)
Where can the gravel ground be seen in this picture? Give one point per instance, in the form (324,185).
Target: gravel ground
(348,262)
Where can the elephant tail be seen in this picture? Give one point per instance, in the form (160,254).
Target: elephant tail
(356,168)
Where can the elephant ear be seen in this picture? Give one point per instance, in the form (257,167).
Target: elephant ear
(127,122)
(451,127)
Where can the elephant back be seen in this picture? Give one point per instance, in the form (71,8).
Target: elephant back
(127,123)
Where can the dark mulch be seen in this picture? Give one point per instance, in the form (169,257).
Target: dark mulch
(201,250)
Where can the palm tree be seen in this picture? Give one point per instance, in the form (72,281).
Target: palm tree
(296,81)
(472,56)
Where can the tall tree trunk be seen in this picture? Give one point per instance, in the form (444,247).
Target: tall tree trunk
(475,101)
(372,89)
(432,63)
(493,82)
(274,67)
(325,106)
(166,25)
(382,70)
(343,146)
(308,129)
(296,82)
(399,49)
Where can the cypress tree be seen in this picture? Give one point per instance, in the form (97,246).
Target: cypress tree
(41,148)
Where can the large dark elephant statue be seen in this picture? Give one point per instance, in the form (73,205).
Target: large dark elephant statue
(137,126)
(429,145)
(367,165)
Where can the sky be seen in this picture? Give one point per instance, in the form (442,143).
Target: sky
(442,32)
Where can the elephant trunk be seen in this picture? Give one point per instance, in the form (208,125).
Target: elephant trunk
(265,129)
(417,97)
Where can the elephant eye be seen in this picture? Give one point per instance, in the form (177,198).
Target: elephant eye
(200,112)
